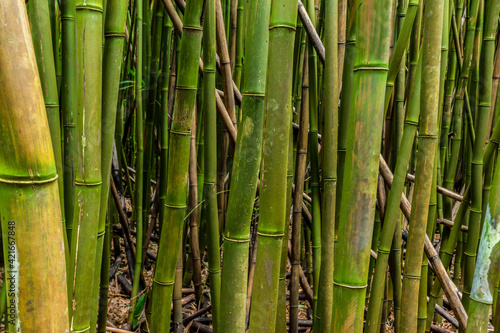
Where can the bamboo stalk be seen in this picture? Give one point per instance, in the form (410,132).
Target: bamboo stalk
(41,23)
(68,107)
(330,142)
(274,165)
(178,161)
(393,202)
(246,164)
(30,209)
(300,166)
(210,193)
(357,209)
(87,169)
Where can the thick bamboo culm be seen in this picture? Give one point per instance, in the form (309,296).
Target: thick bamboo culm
(30,207)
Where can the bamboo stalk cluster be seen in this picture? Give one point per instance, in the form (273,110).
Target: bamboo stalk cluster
(279,165)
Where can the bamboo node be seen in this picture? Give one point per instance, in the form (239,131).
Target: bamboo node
(349,286)
(87,329)
(235,240)
(87,184)
(194,28)
(168,283)
(286,26)
(175,207)
(28,182)
(269,235)
(370,68)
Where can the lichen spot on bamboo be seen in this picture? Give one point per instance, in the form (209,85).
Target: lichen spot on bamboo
(487,259)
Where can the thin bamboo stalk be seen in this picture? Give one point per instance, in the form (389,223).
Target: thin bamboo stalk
(314,158)
(210,174)
(300,167)
(139,176)
(330,142)
(68,107)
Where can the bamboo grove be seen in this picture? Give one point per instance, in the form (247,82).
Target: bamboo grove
(250,165)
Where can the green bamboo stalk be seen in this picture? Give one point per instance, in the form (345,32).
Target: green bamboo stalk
(153,63)
(345,103)
(314,157)
(246,164)
(194,239)
(41,24)
(35,269)
(393,202)
(68,107)
(166,86)
(357,209)
(281,312)
(140,74)
(177,296)
(178,161)
(88,178)
(486,69)
(274,165)
(114,34)
(102,319)
(399,125)
(430,230)
(330,141)
(210,155)
(300,167)
(447,110)
(427,141)
(240,49)
(233,22)
(229,103)
(411,17)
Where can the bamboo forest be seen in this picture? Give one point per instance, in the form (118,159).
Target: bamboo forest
(256,166)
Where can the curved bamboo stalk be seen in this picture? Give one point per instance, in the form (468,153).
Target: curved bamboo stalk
(30,206)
